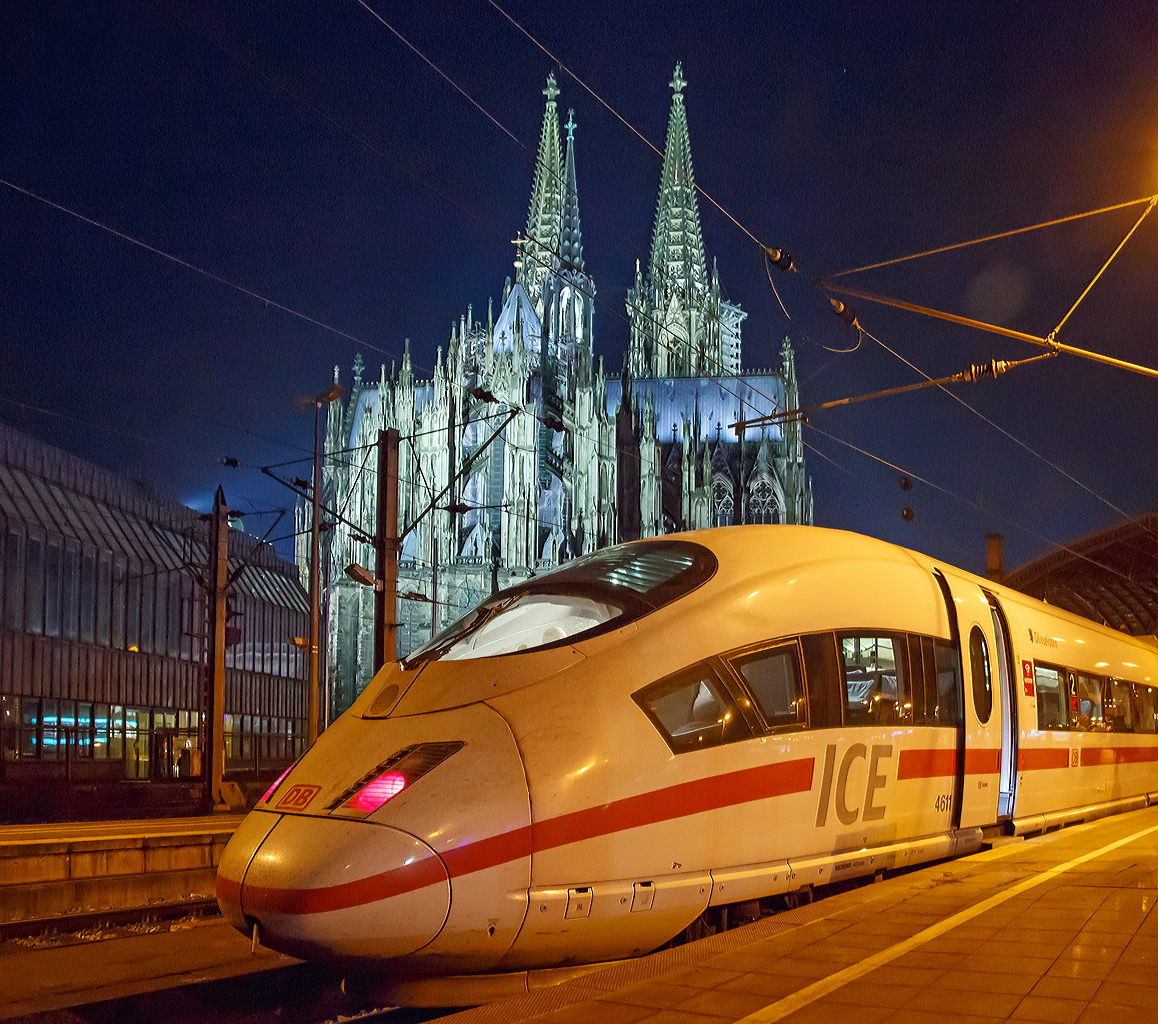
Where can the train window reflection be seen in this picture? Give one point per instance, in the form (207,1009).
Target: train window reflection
(692,709)
(604,590)
(876,689)
(1117,707)
(979,669)
(1051,698)
(773,678)
(528,621)
(1146,708)
(1090,718)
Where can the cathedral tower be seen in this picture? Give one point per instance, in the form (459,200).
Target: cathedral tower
(680,327)
(541,245)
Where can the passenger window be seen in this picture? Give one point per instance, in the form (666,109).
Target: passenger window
(773,679)
(1117,707)
(917,679)
(823,675)
(1089,694)
(1051,698)
(979,669)
(929,658)
(692,709)
(949,711)
(1146,707)
(875,688)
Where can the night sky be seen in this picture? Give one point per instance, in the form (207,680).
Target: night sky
(305,154)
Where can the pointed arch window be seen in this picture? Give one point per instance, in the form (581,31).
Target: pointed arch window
(722,503)
(763,507)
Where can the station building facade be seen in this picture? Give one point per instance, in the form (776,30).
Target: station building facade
(589,456)
(103,646)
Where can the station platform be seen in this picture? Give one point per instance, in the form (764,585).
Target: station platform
(1059,928)
(57,870)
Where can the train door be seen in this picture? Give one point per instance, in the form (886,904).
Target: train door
(984,712)
(1007,789)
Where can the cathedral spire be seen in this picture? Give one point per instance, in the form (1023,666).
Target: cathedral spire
(570,237)
(677,248)
(542,241)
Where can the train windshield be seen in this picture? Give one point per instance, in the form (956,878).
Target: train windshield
(600,591)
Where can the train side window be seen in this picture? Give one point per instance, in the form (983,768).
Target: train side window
(1089,694)
(979,669)
(929,658)
(1146,708)
(917,679)
(822,673)
(774,680)
(692,710)
(1117,707)
(949,710)
(1051,697)
(875,687)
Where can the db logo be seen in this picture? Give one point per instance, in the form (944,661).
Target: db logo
(298,798)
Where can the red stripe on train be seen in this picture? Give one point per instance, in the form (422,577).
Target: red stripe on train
(660,805)
(1117,755)
(923,763)
(1030,759)
(917,763)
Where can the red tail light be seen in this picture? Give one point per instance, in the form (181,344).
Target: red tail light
(388,778)
(374,794)
(277,782)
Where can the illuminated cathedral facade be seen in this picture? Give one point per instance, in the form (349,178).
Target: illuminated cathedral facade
(564,456)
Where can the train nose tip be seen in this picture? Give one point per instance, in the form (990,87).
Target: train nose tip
(324,887)
(234,862)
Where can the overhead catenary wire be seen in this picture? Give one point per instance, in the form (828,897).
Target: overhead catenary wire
(990,238)
(952,494)
(1013,437)
(978,371)
(192,266)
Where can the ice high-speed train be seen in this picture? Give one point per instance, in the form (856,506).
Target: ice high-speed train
(585,763)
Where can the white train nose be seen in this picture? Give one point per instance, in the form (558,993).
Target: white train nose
(324,887)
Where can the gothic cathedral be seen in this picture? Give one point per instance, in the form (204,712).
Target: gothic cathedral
(581,460)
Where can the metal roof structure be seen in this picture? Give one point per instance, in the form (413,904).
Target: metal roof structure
(45,488)
(1110,576)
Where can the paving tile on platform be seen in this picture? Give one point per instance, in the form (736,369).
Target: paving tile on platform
(1049,1009)
(1104,1013)
(824,1012)
(1091,951)
(600,1010)
(1120,994)
(655,995)
(1066,967)
(1066,988)
(975,1002)
(766,985)
(976,981)
(700,977)
(725,1003)
(929,960)
(987,963)
(863,992)
(907,1016)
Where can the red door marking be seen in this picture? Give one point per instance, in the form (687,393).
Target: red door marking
(1027,676)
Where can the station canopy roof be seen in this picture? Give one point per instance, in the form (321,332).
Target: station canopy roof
(1110,576)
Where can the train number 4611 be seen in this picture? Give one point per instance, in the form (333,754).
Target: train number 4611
(943,802)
